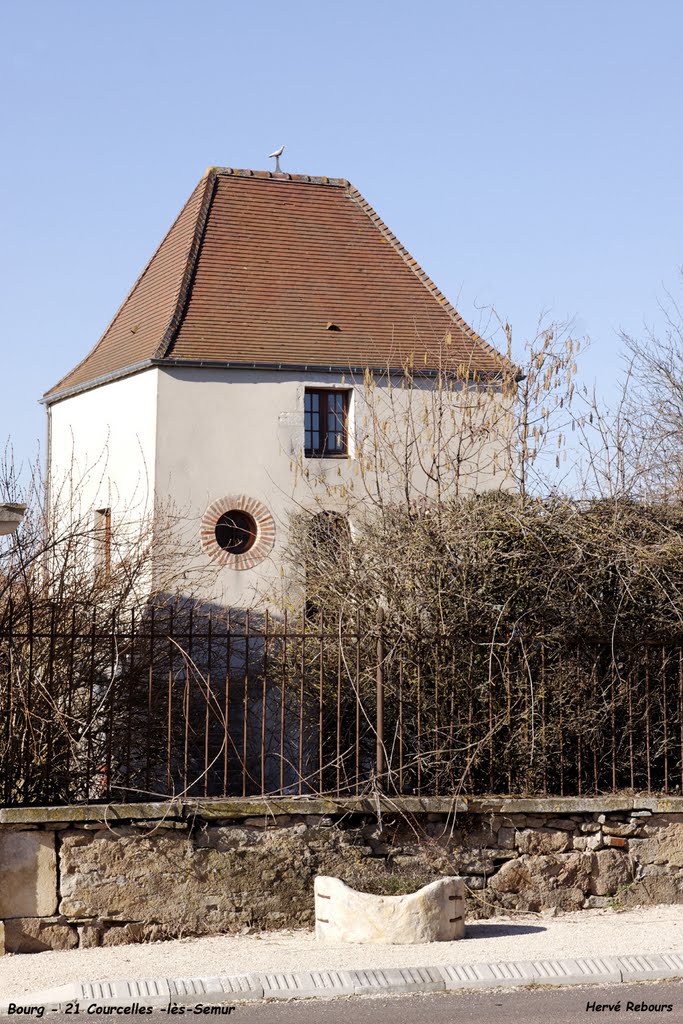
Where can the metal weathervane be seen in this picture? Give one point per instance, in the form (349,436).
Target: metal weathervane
(277,154)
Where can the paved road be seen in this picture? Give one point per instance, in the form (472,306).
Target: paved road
(566,1006)
(540,1006)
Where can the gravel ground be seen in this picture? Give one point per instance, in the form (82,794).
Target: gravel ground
(528,937)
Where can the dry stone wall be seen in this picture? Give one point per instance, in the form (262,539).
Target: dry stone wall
(88,876)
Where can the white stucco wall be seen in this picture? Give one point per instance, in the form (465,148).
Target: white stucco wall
(239,432)
(102,450)
(184,438)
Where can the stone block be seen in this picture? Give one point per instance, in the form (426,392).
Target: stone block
(591,841)
(596,902)
(28,874)
(532,842)
(543,875)
(37,935)
(479,839)
(125,934)
(474,881)
(627,829)
(89,935)
(664,848)
(648,891)
(468,862)
(506,838)
(610,870)
(435,913)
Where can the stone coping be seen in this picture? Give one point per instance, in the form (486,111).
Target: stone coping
(226,808)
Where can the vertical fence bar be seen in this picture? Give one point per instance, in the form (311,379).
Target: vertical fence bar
(208,700)
(339,714)
(69,703)
(594,696)
(283,695)
(578,733)
(245,708)
(187,703)
(680,711)
(418,710)
(89,717)
(48,774)
(630,721)
(129,715)
(468,756)
(544,738)
(26,760)
(150,678)
(226,707)
(264,701)
(321,682)
(437,758)
(508,693)
(9,760)
(380,766)
(647,720)
(561,742)
(665,721)
(169,717)
(301,703)
(490,704)
(358,705)
(613,726)
(113,661)
(400,726)
(451,727)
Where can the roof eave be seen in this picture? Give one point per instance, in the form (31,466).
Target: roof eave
(220,364)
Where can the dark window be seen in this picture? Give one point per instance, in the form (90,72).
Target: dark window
(325,422)
(236,531)
(329,538)
(103,540)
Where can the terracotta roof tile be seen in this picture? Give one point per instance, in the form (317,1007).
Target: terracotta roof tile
(256,268)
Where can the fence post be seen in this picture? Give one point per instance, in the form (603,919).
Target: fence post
(379,725)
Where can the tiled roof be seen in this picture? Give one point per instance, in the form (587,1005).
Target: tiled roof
(281,270)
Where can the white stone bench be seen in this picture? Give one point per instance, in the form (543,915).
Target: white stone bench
(435,913)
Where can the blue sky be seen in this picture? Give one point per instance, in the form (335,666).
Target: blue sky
(528,153)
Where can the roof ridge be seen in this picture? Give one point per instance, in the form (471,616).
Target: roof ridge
(306,179)
(130,293)
(422,276)
(169,335)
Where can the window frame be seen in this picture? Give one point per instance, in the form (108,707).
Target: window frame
(102,537)
(249,529)
(323,412)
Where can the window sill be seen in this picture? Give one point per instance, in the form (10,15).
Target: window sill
(327,458)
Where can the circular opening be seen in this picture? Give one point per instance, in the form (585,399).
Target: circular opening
(236,531)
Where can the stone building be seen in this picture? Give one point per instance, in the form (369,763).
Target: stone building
(242,376)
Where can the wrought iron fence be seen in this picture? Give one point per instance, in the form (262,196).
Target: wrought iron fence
(98,706)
